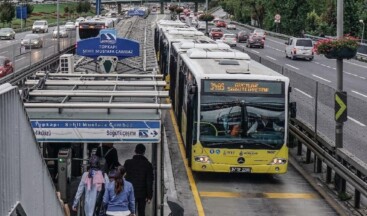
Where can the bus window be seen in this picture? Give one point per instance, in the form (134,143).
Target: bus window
(88,33)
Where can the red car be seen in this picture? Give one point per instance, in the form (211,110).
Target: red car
(221,23)
(6,66)
(216,33)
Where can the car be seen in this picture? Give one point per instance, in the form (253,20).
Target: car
(259,32)
(242,36)
(255,41)
(201,25)
(231,26)
(216,33)
(6,66)
(221,23)
(69,26)
(63,32)
(299,48)
(77,21)
(32,41)
(194,22)
(40,26)
(229,39)
(7,33)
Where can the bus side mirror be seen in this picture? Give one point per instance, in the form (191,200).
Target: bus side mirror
(293,109)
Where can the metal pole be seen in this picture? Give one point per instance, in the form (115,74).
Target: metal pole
(85,156)
(339,69)
(206,6)
(362,32)
(58,25)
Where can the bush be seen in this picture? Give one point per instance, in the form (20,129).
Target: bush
(206,17)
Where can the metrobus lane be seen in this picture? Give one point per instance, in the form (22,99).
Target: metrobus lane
(243,194)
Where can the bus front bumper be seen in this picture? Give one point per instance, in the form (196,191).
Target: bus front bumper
(227,168)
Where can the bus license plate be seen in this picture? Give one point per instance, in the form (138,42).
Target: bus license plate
(240,169)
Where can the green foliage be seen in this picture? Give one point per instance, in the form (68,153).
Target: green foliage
(7,12)
(312,22)
(83,6)
(66,9)
(30,9)
(206,17)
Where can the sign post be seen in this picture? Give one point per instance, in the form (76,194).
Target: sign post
(341,107)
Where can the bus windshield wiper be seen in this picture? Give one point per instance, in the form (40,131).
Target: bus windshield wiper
(260,143)
(227,143)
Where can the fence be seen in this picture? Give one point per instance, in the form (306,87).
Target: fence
(25,182)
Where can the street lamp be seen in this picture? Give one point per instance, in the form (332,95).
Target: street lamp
(361,21)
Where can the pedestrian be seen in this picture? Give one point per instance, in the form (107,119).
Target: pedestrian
(92,184)
(139,171)
(109,155)
(118,198)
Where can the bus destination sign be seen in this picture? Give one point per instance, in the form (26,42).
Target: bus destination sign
(244,87)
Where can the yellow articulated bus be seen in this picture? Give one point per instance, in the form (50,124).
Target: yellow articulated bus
(232,112)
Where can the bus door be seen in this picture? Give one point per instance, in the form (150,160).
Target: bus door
(192,107)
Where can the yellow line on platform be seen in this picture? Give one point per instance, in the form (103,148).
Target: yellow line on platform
(194,189)
(259,195)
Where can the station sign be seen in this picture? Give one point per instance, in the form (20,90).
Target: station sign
(97,131)
(108,44)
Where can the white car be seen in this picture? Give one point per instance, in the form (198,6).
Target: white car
(40,26)
(69,25)
(77,21)
(63,32)
(231,26)
(299,48)
(201,26)
(229,39)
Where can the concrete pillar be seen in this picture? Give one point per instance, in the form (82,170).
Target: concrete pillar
(196,7)
(162,7)
(119,8)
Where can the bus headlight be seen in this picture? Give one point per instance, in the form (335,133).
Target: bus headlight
(202,159)
(277,161)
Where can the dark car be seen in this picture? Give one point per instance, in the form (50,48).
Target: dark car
(32,41)
(7,33)
(242,36)
(216,33)
(255,41)
(6,66)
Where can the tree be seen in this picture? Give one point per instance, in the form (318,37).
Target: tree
(72,11)
(179,11)
(66,10)
(7,12)
(30,9)
(312,22)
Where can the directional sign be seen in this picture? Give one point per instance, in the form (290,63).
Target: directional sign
(340,107)
(21,12)
(97,131)
(107,44)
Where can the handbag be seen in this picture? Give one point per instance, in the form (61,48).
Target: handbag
(100,209)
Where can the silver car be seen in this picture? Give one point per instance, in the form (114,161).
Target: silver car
(63,33)
(299,48)
(32,41)
(70,26)
(229,39)
(7,33)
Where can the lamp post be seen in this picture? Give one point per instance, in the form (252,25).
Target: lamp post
(58,25)
(361,21)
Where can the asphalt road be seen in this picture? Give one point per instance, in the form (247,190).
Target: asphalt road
(22,59)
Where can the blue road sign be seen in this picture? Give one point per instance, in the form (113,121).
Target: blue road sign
(21,12)
(125,131)
(136,12)
(108,44)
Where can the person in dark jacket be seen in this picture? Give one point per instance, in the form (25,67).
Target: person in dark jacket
(110,154)
(139,171)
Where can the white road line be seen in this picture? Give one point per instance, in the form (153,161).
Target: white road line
(355,75)
(292,66)
(20,59)
(355,92)
(356,64)
(321,78)
(303,92)
(255,51)
(357,122)
(317,63)
(267,39)
(50,47)
(4,52)
(271,58)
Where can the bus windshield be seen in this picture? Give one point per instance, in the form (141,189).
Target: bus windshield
(239,121)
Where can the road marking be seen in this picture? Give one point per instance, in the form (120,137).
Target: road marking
(50,47)
(4,52)
(292,66)
(20,59)
(357,122)
(355,92)
(267,39)
(255,51)
(321,78)
(259,195)
(355,64)
(355,75)
(194,189)
(271,58)
(303,92)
